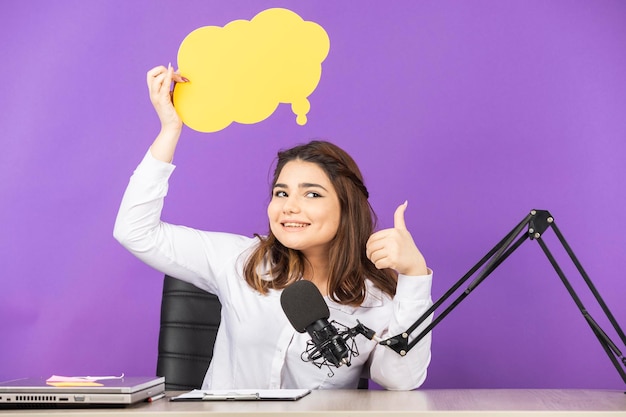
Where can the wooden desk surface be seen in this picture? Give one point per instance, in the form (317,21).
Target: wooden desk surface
(373,403)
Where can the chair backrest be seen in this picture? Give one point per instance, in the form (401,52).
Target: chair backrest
(190,318)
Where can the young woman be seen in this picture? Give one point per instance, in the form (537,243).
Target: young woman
(321,230)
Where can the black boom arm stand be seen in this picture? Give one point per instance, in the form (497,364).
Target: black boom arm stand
(538,221)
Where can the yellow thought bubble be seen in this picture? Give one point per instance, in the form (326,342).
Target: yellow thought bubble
(241,72)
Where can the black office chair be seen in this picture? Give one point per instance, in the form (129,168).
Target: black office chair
(190,318)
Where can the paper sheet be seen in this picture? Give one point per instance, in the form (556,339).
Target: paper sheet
(78,381)
(244,394)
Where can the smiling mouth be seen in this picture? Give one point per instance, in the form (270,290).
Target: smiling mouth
(296,225)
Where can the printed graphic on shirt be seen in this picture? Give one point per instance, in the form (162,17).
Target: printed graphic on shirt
(241,72)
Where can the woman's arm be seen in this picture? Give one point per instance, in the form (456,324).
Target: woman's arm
(192,255)
(395,248)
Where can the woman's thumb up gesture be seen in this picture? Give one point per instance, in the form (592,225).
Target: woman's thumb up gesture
(394,248)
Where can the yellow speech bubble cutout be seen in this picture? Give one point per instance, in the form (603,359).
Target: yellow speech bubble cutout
(241,72)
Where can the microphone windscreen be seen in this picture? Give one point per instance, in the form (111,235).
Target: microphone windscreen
(303,304)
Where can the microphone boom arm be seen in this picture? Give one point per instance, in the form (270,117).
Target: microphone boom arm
(537,222)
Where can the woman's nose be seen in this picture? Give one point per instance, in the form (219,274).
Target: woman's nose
(291,205)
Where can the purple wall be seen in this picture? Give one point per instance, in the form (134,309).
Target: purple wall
(476,112)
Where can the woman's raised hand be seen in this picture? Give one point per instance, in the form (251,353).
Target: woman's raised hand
(160,86)
(394,248)
(160,81)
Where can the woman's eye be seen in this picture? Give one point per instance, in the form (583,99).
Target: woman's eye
(280,194)
(312,194)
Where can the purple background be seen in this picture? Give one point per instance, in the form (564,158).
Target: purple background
(476,112)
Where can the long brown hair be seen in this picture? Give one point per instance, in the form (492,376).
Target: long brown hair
(349,265)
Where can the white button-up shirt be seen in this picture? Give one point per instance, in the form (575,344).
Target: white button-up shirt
(256,346)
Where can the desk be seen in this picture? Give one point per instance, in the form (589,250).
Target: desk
(374,403)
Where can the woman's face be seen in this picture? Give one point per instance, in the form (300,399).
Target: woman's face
(304,212)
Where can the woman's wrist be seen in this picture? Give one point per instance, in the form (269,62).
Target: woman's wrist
(165,143)
(417,271)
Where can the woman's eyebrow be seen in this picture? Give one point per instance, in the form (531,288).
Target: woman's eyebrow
(302,185)
(311,185)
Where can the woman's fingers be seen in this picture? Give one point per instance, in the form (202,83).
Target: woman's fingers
(160,80)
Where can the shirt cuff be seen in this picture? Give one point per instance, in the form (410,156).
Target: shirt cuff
(412,288)
(154,168)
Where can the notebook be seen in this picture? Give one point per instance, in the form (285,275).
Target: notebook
(105,392)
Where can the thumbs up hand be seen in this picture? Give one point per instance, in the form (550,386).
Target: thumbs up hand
(394,248)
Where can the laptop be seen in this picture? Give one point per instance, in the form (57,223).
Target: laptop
(117,392)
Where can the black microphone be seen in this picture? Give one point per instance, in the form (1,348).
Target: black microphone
(306,310)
